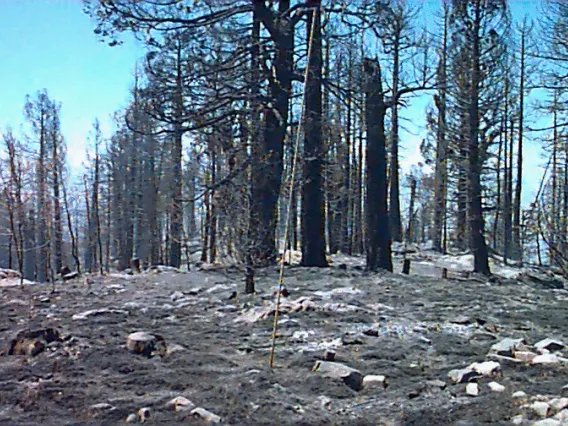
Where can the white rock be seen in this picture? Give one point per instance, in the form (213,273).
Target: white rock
(525,356)
(373,380)
(180,403)
(549,344)
(558,404)
(487,368)
(205,415)
(335,370)
(562,416)
(496,387)
(144,414)
(547,422)
(519,394)
(546,359)
(103,406)
(94,312)
(564,390)
(518,420)
(132,418)
(540,408)
(472,389)
(506,346)
(176,295)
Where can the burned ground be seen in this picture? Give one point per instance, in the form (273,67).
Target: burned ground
(412,329)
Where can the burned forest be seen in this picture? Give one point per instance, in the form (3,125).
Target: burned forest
(303,213)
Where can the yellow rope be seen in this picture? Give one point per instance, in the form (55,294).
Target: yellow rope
(292,179)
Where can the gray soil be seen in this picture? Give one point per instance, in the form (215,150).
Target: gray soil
(224,363)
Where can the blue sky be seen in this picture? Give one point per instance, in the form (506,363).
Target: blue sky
(50,44)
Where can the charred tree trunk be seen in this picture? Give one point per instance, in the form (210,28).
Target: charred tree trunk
(378,231)
(313,222)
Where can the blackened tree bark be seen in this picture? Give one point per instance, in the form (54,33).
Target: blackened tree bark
(478,246)
(176,224)
(378,233)
(441,173)
(313,222)
(266,190)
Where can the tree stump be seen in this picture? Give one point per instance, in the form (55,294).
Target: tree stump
(445,273)
(146,344)
(135,265)
(406,266)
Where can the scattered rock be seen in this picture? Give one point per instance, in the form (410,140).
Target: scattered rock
(176,295)
(146,344)
(329,355)
(462,320)
(27,347)
(558,404)
(349,339)
(518,419)
(9,273)
(564,391)
(371,332)
(472,389)
(174,347)
(562,416)
(487,369)
(70,276)
(33,342)
(207,416)
(525,356)
(97,409)
(540,408)
(374,381)
(436,384)
(97,312)
(144,414)
(506,347)
(496,387)
(550,345)
(547,422)
(180,403)
(350,376)
(547,359)
(413,394)
(519,394)
(132,418)
(462,376)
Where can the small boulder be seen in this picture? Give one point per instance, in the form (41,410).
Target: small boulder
(206,416)
(547,359)
(525,356)
(507,347)
(329,355)
(176,295)
(132,418)
(146,344)
(180,403)
(540,408)
(350,376)
(496,387)
(375,381)
(547,422)
(70,276)
(487,369)
(558,404)
(144,414)
(472,389)
(549,344)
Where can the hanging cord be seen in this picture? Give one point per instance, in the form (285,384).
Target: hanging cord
(292,180)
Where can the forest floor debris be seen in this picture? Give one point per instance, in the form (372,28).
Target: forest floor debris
(395,338)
